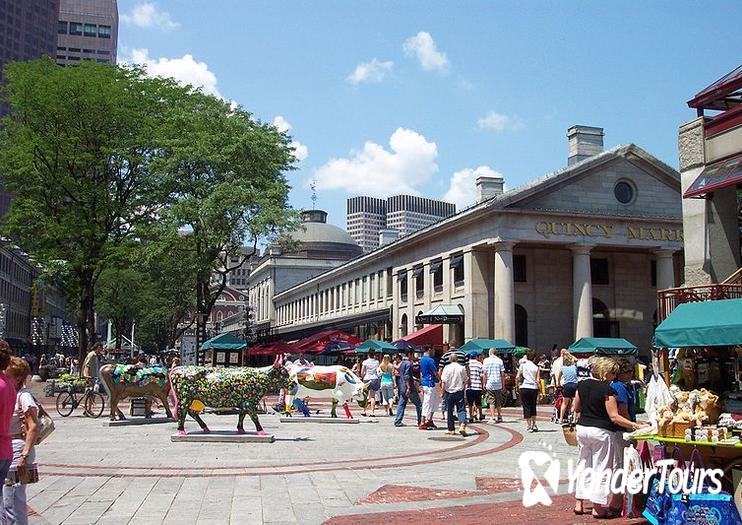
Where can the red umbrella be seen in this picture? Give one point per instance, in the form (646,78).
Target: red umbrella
(274,348)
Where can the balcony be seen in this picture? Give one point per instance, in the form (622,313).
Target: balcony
(668,299)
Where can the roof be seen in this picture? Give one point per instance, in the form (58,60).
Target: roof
(708,323)
(511,197)
(321,232)
(476,346)
(723,94)
(603,346)
(225,341)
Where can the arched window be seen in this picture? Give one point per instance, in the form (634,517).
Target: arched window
(418,326)
(403,325)
(521,326)
(603,326)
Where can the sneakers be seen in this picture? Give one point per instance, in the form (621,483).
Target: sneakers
(462,429)
(533,429)
(450,432)
(399,425)
(430,425)
(492,421)
(499,419)
(422,426)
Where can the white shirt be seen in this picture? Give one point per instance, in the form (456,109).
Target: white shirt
(528,371)
(494,367)
(455,377)
(24,401)
(372,369)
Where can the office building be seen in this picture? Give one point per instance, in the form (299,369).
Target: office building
(87,30)
(367,217)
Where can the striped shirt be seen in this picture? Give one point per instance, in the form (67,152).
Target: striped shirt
(461,357)
(475,374)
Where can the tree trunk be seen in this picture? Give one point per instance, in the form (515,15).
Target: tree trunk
(86,314)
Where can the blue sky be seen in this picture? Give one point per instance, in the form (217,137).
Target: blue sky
(389,97)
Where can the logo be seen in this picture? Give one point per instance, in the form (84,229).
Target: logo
(533,491)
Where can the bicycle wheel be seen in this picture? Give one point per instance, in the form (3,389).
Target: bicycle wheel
(94,405)
(65,404)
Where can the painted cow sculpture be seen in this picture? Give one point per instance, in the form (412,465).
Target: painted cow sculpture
(336,382)
(124,381)
(227,388)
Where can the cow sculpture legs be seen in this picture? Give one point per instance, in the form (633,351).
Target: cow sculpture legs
(183,411)
(116,412)
(333,412)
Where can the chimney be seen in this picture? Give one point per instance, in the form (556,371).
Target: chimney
(488,187)
(584,142)
(387,236)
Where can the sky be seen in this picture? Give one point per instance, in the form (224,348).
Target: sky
(382,98)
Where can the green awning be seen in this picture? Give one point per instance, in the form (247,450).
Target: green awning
(482,345)
(441,314)
(708,323)
(225,341)
(603,346)
(379,346)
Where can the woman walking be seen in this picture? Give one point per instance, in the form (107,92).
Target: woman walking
(370,374)
(567,378)
(598,419)
(24,426)
(387,383)
(529,378)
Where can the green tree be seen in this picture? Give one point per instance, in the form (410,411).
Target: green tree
(121,298)
(77,151)
(225,170)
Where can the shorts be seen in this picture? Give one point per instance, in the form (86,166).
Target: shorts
(474,397)
(495,397)
(374,385)
(569,390)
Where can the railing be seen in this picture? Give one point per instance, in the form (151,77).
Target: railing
(735,278)
(668,299)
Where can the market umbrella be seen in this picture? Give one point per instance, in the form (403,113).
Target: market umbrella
(404,346)
(603,346)
(337,347)
(478,346)
(379,346)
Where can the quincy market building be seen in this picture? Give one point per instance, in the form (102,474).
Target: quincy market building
(579,252)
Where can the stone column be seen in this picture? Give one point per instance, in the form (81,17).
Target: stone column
(448,329)
(582,291)
(504,292)
(396,310)
(665,269)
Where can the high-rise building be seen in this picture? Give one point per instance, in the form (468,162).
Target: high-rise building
(367,216)
(88,30)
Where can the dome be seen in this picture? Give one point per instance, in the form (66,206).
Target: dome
(321,240)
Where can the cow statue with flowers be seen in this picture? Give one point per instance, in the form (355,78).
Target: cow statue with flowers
(336,382)
(241,389)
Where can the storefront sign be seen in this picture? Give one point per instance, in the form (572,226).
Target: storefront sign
(607,231)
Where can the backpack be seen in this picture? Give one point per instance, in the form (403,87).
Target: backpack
(46,423)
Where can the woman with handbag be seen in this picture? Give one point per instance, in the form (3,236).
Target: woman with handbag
(598,419)
(24,429)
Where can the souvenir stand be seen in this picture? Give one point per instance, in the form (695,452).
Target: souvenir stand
(704,340)
(224,350)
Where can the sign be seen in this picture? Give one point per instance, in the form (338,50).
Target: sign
(188,349)
(628,232)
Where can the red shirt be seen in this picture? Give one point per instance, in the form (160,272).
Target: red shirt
(7,405)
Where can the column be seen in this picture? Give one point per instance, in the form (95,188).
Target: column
(504,292)
(582,292)
(396,313)
(448,329)
(411,297)
(665,269)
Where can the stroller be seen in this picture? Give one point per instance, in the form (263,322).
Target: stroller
(558,400)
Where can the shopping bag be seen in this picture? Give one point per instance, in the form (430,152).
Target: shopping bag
(658,498)
(634,502)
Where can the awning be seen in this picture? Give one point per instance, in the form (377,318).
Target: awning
(602,346)
(417,272)
(274,348)
(225,341)
(401,276)
(708,323)
(379,346)
(431,335)
(317,343)
(477,346)
(717,175)
(457,260)
(443,313)
(435,266)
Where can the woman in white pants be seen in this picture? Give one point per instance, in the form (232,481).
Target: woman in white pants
(597,420)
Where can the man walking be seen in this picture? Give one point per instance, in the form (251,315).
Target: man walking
(493,378)
(91,365)
(407,390)
(453,381)
(431,398)
(474,388)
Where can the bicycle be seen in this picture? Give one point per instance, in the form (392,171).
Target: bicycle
(93,402)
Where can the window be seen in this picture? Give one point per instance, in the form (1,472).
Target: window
(364,296)
(104,31)
(419,276)
(74,49)
(653,273)
(389,282)
(519,269)
(599,271)
(402,278)
(104,52)
(436,270)
(457,265)
(73,58)
(62,28)
(91,30)
(88,51)
(380,283)
(75,28)
(624,192)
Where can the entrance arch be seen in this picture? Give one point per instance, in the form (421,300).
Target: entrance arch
(521,326)
(603,325)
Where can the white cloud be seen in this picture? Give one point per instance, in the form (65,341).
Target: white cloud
(147,15)
(408,164)
(301,152)
(462,190)
(423,47)
(498,122)
(374,71)
(186,70)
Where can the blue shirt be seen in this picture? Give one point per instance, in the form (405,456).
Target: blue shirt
(625,395)
(427,371)
(405,375)
(569,374)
